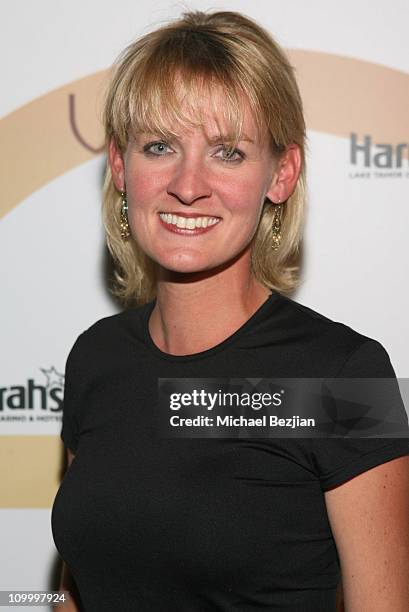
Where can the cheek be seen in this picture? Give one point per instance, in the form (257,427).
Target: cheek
(141,187)
(139,197)
(243,202)
(238,197)
(244,190)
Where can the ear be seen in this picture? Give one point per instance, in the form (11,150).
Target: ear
(286,174)
(117,165)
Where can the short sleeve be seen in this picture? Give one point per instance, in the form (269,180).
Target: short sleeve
(72,396)
(336,460)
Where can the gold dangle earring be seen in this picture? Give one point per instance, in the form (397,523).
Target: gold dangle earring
(276,226)
(124,225)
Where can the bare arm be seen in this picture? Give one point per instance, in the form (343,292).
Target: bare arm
(66,581)
(369,517)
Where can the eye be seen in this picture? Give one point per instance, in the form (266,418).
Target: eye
(149,149)
(231,155)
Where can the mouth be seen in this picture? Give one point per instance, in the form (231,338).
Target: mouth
(193,223)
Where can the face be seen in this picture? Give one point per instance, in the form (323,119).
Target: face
(193,203)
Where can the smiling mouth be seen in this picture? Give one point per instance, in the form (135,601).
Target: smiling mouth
(189,222)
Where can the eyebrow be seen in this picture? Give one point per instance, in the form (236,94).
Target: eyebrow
(228,138)
(211,139)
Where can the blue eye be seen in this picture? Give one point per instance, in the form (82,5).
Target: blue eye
(158,149)
(230,153)
(148,148)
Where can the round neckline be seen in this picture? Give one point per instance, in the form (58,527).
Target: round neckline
(212,350)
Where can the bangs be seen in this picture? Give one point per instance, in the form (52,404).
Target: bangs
(176,83)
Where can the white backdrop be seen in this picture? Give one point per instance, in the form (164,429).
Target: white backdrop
(356,262)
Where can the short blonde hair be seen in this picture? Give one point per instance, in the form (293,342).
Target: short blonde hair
(192,55)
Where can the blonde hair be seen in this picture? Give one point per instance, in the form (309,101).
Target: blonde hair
(189,57)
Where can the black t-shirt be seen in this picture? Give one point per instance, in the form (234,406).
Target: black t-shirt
(150,524)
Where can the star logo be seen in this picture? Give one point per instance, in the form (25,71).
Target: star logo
(54,378)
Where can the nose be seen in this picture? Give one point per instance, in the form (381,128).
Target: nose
(189,181)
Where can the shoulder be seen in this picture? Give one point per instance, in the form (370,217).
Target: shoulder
(329,341)
(109,333)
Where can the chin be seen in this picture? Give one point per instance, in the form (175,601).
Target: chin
(201,266)
(185,267)
(187,263)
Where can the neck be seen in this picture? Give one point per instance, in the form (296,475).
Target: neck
(193,313)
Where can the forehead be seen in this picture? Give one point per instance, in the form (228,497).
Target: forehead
(214,124)
(215,117)
(200,103)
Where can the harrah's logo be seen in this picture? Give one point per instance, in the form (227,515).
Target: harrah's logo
(365,153)
(34,396)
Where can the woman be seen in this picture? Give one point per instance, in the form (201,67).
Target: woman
(203,208)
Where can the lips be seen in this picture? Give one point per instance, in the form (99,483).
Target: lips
(187,215)
(188,224)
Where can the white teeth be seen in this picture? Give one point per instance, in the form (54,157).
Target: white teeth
(188,222)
